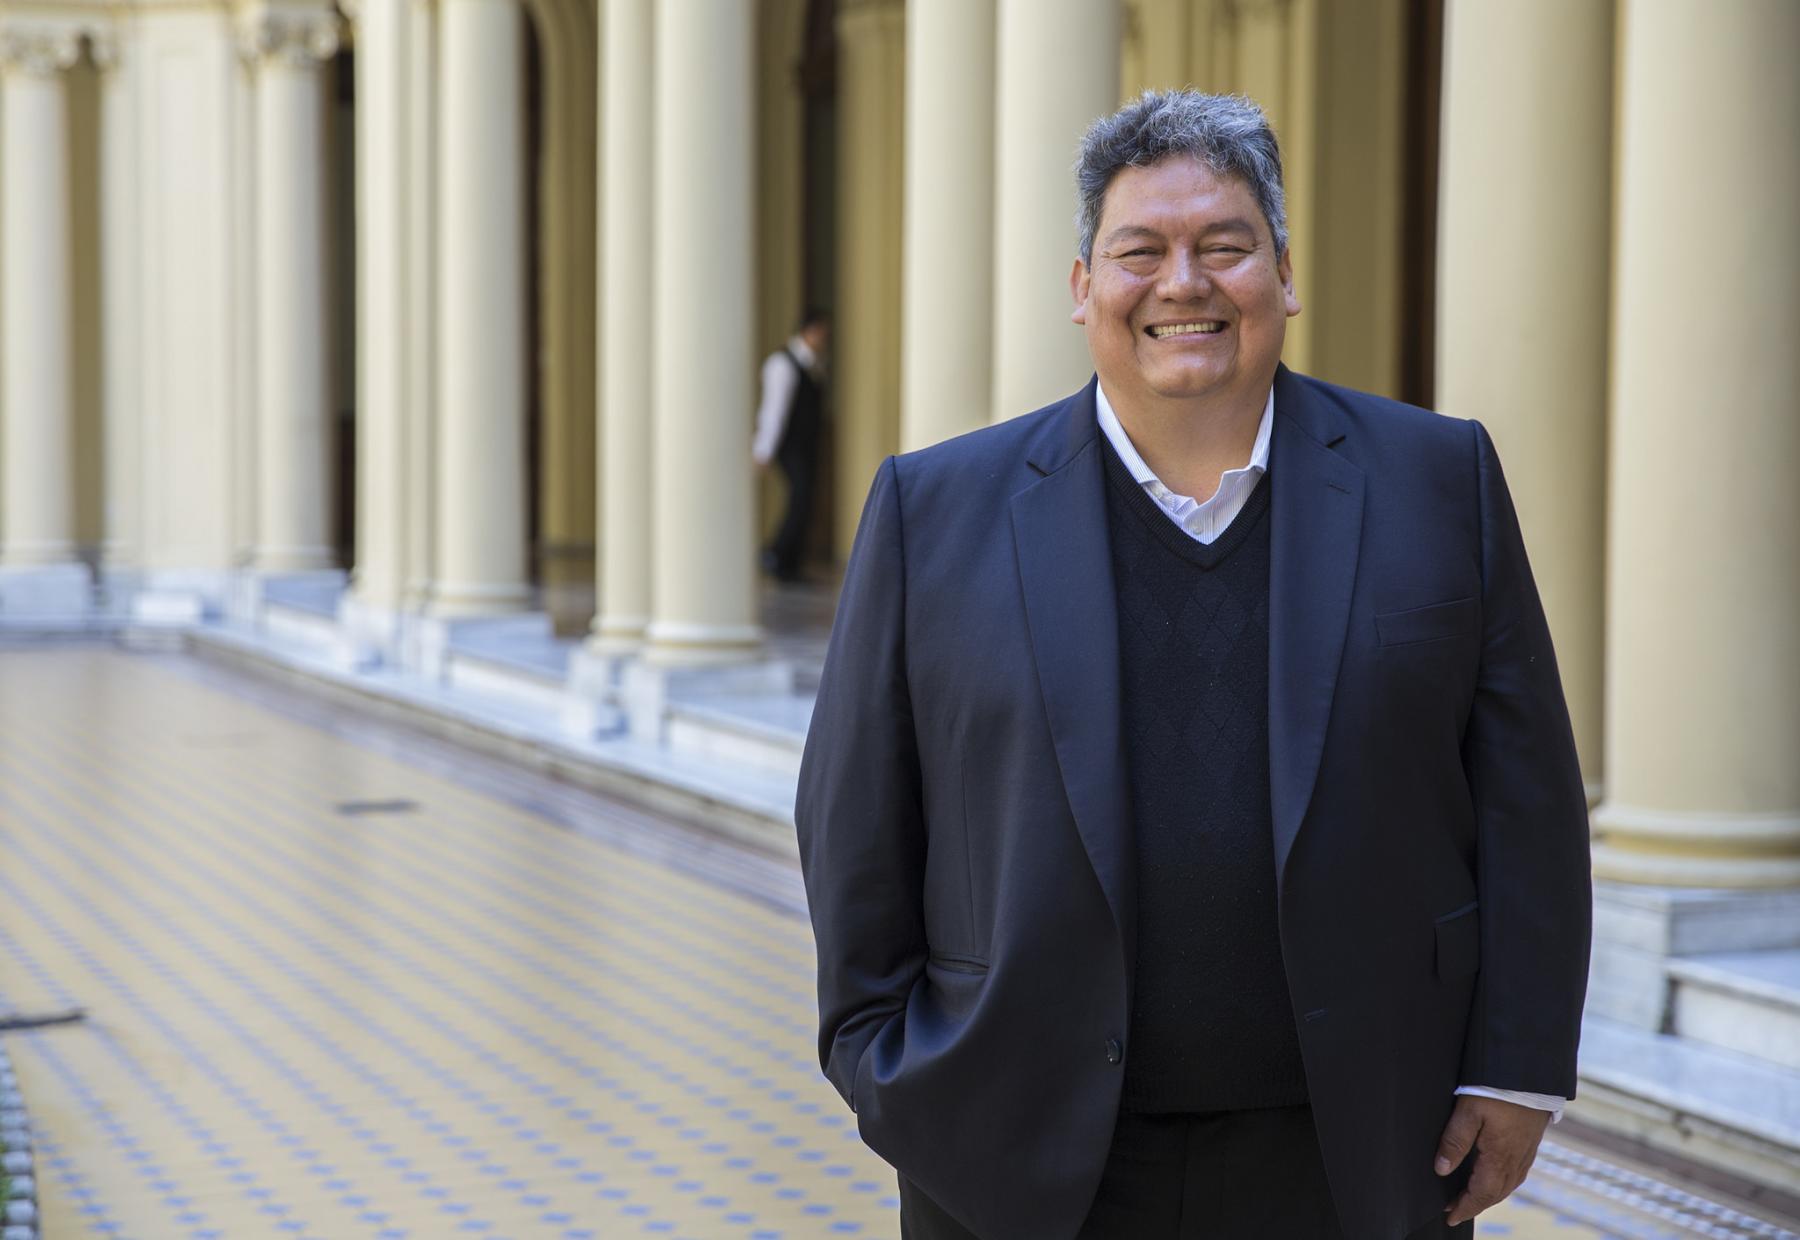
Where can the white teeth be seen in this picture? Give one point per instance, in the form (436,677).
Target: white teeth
(1187,329)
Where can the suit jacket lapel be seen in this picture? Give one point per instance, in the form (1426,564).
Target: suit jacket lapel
(1065,569)
(1315,533)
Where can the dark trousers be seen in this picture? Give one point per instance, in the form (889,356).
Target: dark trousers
(799,462)
(1229,1175)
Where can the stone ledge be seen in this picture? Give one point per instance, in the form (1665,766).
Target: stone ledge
(1748,1002)
(754,809)
(1678,1097)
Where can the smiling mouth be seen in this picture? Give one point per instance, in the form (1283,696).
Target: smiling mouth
(1211,327)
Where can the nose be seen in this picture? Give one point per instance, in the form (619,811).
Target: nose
(1184,277)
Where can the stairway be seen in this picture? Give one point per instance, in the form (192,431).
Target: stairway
(1719,1082)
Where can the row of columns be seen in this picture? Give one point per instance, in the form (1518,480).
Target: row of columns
(675,537)
(1629,350)
(997,94)
(286,50)
(441,467)
(1663,522)
(675,560)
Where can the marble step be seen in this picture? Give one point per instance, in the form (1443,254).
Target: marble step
(764,732)
(1718,1108)
(1748,1002)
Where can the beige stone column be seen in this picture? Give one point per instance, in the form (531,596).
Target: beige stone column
(120,260)
(627,227)
(1703,617)
(383,209)
(871,175)
(481,306)
(946,366)
(419,347)
(37,402)
(1058,71)
(288,47)
(702,512)
(1530,172)
(1272,47)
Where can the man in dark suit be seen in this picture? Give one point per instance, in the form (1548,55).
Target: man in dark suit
(1190,817)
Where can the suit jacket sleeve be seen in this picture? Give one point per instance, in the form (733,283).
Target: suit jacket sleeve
(861,829)
(1532,868)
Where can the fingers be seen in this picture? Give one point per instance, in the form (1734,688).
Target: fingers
(1493,1180)
(1498,1171)
(1459,1137)
(1504,1137)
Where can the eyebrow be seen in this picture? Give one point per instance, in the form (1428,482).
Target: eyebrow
(1235,224)
(1132,232)
(1129,232)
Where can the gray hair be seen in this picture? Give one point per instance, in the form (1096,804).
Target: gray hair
(1228,133)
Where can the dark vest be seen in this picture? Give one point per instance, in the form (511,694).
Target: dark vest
(1212,1027)
(806,414)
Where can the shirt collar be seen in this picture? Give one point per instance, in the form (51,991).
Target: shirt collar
(1121,442)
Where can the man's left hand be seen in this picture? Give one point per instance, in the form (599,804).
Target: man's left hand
(1504,1137)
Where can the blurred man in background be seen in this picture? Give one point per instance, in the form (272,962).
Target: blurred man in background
(789,423)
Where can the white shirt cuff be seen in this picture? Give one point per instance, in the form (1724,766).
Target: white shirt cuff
(1552,1103)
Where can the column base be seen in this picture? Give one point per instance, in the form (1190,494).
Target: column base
(25,554)
(678,644)
(47,591)
(617,636)
(274,561)
(464,600)
(1639,929)
(1678,849)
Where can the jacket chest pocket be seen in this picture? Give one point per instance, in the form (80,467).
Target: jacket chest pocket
(1415,626)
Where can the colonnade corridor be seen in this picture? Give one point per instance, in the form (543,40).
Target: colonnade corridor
(344,981)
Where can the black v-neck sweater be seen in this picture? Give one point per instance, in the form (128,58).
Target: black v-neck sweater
(1212,1026)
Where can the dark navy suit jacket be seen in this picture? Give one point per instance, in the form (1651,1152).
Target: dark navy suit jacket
(965,827)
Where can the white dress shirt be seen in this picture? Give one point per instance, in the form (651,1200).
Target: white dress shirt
(779,379)
(1201,522)
(1204,522)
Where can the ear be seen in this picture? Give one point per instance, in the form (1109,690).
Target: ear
(1285,269)
(1078,290)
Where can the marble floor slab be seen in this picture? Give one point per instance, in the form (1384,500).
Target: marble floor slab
(332,993)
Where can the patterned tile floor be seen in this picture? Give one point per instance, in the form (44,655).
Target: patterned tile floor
(332,994)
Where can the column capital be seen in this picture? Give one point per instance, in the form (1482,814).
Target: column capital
(104,47)
(40,48)
(293,34)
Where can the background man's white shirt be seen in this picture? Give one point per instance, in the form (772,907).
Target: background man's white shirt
(779,379)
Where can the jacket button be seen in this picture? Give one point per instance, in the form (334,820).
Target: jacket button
(1114,1052)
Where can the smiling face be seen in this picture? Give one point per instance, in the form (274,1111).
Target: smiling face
(1185,299)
